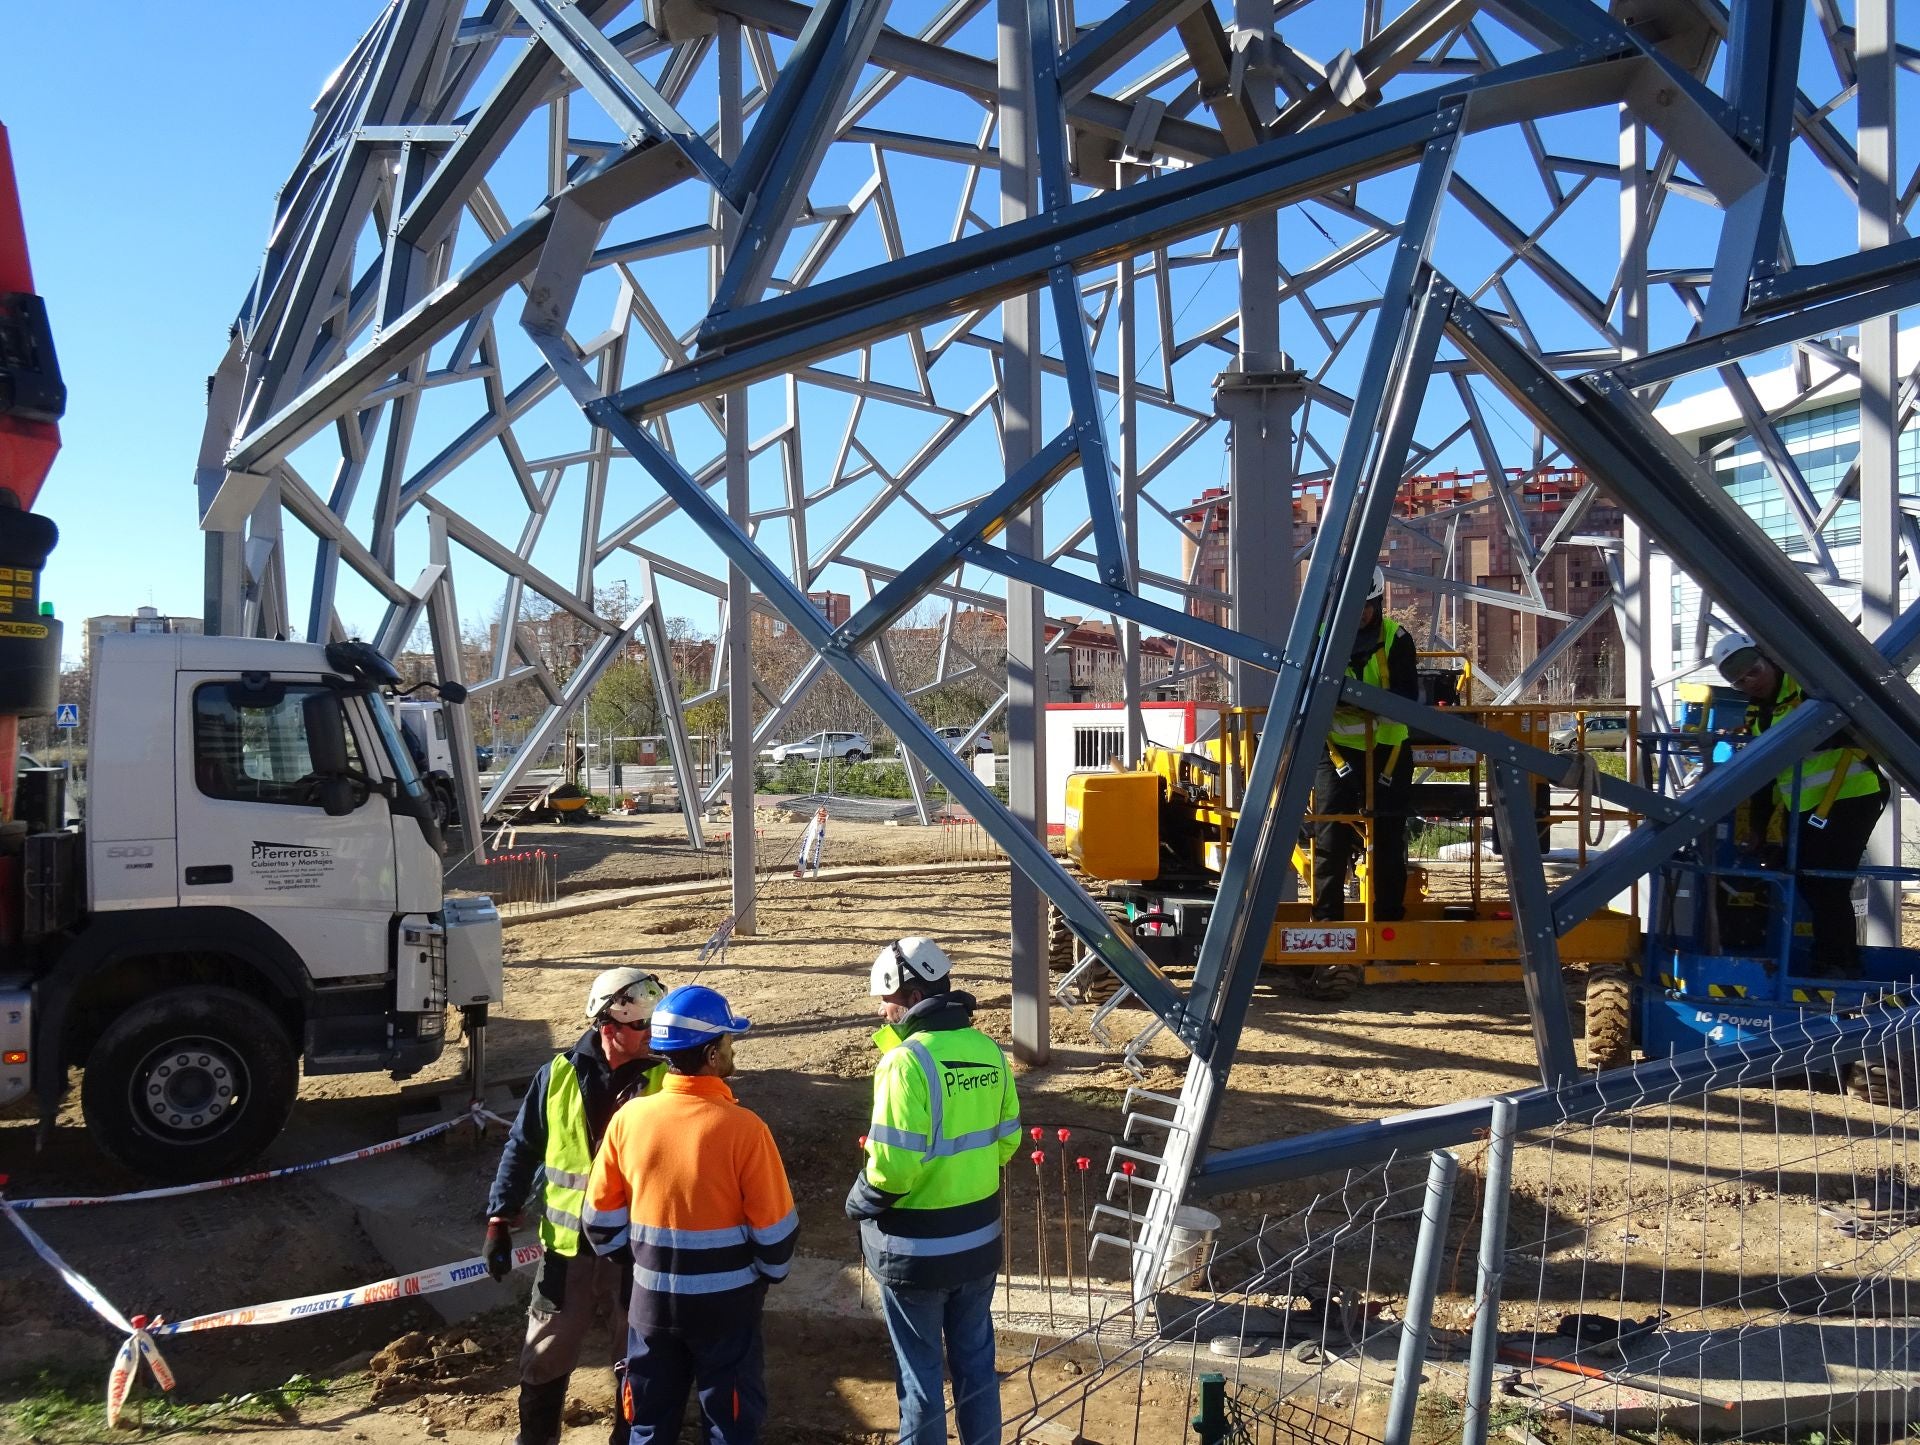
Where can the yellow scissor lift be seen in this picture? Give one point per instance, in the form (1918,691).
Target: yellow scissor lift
(1157,836)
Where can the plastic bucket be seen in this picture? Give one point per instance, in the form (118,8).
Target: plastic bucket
(1189,1249)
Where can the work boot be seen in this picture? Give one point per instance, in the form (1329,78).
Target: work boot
(540,1410)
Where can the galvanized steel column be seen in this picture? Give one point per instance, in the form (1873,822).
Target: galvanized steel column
(1880,521)
(739,640)
(1026,605)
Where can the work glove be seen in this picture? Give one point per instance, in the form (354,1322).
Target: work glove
(498,1250)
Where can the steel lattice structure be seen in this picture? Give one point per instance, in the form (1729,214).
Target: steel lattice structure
(719,295)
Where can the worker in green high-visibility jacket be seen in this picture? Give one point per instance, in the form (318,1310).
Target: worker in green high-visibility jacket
(562,1120)
(1824,807)
(946,1118)
(1383,656)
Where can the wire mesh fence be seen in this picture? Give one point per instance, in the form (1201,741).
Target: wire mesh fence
(1723,1249)
(1735,1261)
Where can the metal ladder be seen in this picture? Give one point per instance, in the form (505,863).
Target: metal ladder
(1069,992)
(1145,1235)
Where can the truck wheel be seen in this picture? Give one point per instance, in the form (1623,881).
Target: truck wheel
(190,1084)
(1609,1018)
(440,800)
(1329,981)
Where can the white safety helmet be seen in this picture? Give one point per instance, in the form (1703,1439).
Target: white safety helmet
(907,962)
(624,995)
(1379,584)
(1726,654)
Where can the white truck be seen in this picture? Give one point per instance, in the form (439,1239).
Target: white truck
(423,724)
(256,888)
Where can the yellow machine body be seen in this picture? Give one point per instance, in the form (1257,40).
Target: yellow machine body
(1168,822)
(1113,824)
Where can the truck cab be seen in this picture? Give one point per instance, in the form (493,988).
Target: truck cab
(256,889)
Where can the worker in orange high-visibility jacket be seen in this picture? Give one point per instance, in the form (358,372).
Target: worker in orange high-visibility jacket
(691,1181)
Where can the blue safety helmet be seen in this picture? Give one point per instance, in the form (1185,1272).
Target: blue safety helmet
(691,1016)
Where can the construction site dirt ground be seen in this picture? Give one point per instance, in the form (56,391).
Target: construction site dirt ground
(1303,1066)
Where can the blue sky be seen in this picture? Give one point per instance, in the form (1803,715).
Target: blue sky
(149,141)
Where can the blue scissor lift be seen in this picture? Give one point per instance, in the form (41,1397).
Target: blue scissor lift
(1728,944)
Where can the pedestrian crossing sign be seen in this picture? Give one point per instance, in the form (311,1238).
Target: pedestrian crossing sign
(66,715)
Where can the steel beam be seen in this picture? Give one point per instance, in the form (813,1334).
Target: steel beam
(1512,799)
(1023,145)
(790,139)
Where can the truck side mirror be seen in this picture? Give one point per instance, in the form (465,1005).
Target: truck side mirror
(339,796)
(326,736)
(453,692)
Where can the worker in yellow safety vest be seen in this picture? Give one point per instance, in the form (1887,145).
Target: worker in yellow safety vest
(946,1119)
(1827,803)
(1383,656)
(562,1120)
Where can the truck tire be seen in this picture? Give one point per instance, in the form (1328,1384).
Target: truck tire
(1328,981)
(440,799)
(1609,1017)
(190,1084)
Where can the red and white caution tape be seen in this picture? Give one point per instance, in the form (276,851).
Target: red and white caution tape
(401,1286)
(475,1115)
(138,1344)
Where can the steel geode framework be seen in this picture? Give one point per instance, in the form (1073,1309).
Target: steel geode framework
(956,303)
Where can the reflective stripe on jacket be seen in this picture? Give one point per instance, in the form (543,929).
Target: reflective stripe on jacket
(693,1183)
(1803,787)
(946,1118)
(1350,723)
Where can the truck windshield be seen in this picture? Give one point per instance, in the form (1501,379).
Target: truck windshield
(399,757)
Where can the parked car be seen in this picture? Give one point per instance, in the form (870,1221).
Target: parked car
(1604,734)
(482,756)
(952,736)
(846,747)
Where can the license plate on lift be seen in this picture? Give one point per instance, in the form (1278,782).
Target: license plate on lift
(1319,940)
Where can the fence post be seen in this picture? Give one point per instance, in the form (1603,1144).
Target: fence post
(1493,1258)
(1428,1253)
(1210,1420)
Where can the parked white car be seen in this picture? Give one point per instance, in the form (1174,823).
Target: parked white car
(952,737)
(845,747)
(1604,733)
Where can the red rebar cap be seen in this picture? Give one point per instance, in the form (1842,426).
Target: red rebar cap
(1038,1133)
(1037,1156)
(1083,1164)
(1063,1135)
(1126,1166)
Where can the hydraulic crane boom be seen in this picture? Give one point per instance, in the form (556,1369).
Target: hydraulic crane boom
(32,398)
